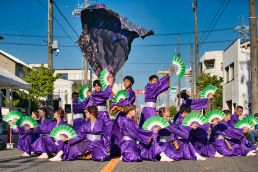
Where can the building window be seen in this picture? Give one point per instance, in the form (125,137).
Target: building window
(227,74)
(209,64)
(232,71)
(64,76)
(229,70)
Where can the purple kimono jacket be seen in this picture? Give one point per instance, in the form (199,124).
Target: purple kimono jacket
(131,134)
(227,140)
(116,133)
(46,144)
(151,94)
(92,139)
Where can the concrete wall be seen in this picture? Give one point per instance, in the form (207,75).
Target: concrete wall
(7,64)
(237,90)
(210,55)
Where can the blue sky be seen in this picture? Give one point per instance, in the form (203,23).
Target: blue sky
(162,16)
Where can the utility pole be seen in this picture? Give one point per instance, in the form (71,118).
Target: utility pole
(192,71)
(253,56)
(85,69)
(179,55)
(50,33)
(196,42)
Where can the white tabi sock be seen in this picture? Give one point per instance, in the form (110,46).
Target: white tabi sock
(58,156)
(164,157)
(43,156)
(199,157)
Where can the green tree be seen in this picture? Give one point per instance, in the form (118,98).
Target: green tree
(41,81)
(172,110)
(206,79)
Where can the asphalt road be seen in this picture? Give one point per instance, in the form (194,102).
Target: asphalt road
(10,161)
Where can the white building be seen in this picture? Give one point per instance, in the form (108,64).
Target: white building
(211,62)
(63,91)
(236,72)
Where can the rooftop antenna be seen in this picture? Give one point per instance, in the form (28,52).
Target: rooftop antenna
(243,30)
(77,12)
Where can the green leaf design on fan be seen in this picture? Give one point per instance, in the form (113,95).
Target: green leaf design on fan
(27,120)
(208,90)
(83,91)
(121,94)
(215,114)
(194,118)
(63,130)
(155,121)
(245,123)
(180,66)
(13,116)
(103,78)
(252,118)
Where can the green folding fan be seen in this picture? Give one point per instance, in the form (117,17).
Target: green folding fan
(27,120)
(208,90)
(245,123)
(194,118)
(13,116)
(215,114)
(63,130)
(180,66)
(103,78)
(155,121)
(252,118)
(121,94)
(83,91)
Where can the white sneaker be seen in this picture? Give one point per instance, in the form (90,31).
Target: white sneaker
(43,156)
(58,157)
(199,157)
(165,158)
(32,153)
(218,155)
(251,153)
(25,155)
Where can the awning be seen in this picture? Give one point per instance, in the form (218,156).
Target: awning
(9,80)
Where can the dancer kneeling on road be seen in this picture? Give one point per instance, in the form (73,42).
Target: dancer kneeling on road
(91,141)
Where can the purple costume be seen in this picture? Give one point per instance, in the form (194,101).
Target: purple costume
(184,144)
(92,138)
(167,141)
(233,120)
(199,139)
(151,93)
(131,151)
(196,104)
(25,139)
(78,110)
(46,144)
(228,140)
(116,132)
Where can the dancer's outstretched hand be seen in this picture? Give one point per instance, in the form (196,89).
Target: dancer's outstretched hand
(173,68)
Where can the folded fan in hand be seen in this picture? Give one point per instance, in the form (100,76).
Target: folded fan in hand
(63,130)
(215,114)
(180,66)
(208,90)
(103,78)
(155,121)
(83,91)
(121,94)
(244,123)
(27,120)
(194,118)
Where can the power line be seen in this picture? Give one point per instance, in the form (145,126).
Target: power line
(69,24)
(161,34)
(58,23)
(216,21)
(149,45)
